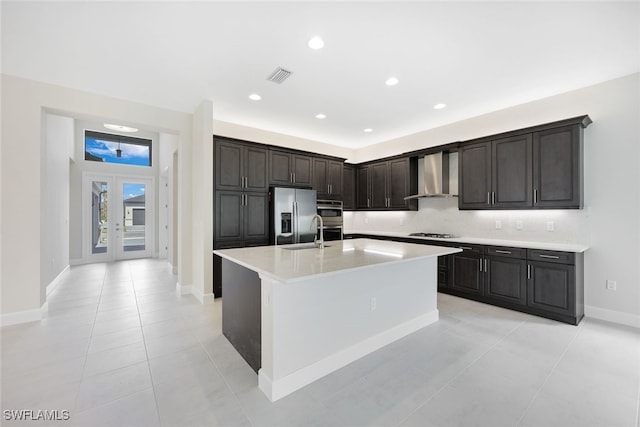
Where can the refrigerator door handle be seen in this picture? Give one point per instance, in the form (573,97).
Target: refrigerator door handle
(296,237)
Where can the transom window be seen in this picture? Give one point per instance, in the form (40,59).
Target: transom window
(108,148)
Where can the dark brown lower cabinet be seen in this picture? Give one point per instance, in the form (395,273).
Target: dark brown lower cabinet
(467,276)
(539,282)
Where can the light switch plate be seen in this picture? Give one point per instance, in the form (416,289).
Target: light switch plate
(498,224)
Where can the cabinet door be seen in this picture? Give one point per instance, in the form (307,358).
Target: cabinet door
(255,169)
(506,279)
(511,180)
(474,176)
(557,159)
(256,217)
(363,188)
(399,183)
(302,170)
(229,218)
(280,168)
(379,179)
(335,178)
(349,187)
(320,177)
(467,274)
(229,165)
(552,287)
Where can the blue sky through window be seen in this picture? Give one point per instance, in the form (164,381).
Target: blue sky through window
(132,154)
(132,190)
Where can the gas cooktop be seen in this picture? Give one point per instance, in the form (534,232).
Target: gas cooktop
(436,235)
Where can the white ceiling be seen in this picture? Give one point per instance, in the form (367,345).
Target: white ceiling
(476,57)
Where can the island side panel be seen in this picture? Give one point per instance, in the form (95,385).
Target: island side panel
(315,326)
(241,311)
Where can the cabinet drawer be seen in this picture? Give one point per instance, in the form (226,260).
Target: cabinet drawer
(506,252)
(470,249)
(551,256)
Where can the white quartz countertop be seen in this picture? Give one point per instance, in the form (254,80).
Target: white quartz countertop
(549,246)
(285,265)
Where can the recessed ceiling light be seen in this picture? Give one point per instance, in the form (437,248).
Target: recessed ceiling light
(255,97)
(392,81)
(367,130)
(316,43)
(321,116)
(439,106)
(120,128)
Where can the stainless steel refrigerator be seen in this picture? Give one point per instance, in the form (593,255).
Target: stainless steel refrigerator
(292,211)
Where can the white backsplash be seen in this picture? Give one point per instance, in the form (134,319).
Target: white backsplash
(442,216)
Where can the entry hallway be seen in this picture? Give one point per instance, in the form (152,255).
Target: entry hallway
(119,348)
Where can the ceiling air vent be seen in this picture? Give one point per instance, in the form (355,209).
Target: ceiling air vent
(279,75)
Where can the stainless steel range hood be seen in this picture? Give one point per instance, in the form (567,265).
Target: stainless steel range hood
(436,177)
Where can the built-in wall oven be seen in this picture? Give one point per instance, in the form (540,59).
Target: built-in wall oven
(331,213)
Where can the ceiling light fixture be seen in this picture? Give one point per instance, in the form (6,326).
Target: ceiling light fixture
(392,81)
(320,116)
(316,43)
(255,97)
(120,128)
(367,130)
(439,106)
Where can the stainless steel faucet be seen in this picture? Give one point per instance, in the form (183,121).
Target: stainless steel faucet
(319,243)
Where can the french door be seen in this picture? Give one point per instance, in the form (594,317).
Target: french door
(119,220)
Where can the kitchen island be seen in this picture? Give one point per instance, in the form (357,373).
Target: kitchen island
(297,312)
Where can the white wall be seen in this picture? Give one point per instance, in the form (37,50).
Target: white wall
(168,144)
(610,220)
(266,137)
(23,105)
(57,152)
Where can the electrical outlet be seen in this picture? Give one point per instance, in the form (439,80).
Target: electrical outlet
(611,285)
(519,224)
(498,224)
(373,304)
(366,220)
(550,226)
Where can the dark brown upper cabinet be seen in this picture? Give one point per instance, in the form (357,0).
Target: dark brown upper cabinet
(327,178)
(349,187)
(384,185)
(541,169)
(290,169)
(557,168)
(240,167)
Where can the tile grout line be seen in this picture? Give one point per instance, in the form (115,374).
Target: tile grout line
(86,354)
(555,365)
(146,352)
(460,373)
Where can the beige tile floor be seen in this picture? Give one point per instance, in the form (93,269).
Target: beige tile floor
(120,348)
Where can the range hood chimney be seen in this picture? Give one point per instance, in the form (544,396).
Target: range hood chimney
(436,177)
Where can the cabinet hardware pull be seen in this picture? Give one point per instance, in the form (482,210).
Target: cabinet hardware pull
(549,256)
(493,197)
(294,177)
(503,252)
(368,203)
(488,197)
(535,196)
(465,248)
(485,265)
(480,264)
(528,271)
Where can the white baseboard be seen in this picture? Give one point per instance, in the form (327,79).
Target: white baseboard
(622,318)
(76,261)
(184,289)
(52,285)
(25,316)
(202,297)
(281,387)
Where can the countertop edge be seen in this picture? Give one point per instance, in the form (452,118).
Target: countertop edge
(564,247)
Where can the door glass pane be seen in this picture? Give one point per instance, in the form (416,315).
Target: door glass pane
(99,215)
(134,217)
